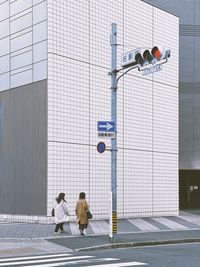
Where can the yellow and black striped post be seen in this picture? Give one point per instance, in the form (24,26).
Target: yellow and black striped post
(114,222)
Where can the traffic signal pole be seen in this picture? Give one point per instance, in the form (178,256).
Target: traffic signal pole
(114,140)
(132,60)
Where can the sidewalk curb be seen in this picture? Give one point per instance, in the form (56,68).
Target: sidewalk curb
(138,244)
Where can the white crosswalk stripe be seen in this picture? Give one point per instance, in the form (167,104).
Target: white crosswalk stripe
(35,257)
(169,223)
(123,264)
(56,260)
(35,260)
(99,227)
(143,225)
(74,229)
(195,220)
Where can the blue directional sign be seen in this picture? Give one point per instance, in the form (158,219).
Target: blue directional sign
(106,126)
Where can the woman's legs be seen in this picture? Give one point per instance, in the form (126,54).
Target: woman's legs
(59,226)
(82,227)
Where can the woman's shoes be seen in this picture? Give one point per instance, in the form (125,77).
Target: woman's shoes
(56,233)
(61,232)
(81,231)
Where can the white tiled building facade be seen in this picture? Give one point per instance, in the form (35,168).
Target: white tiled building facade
(67,42)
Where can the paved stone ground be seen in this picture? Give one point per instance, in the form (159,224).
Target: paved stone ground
(11,248)
(33,239)
(186,221)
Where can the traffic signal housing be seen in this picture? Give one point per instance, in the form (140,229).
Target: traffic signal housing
(152,57)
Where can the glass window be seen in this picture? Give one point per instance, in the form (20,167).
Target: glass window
(4,10)
(21,78)
(21,23)
(19,5)
(4,64)
(4,46)
(39,32)
(39,12)
(5,81)
(21,41)
(40,51)
(21,60)
(40,71)
(4,28)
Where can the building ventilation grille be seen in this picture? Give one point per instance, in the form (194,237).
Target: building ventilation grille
(189,30)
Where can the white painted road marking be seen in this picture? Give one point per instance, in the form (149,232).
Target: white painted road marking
(34,257)
(143,225)
(76,262)
(99,227)
(122,264)
(15,263)
(169,223)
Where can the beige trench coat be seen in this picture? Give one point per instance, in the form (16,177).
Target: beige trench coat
(81,208)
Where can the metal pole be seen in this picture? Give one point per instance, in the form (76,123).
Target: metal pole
(114,140)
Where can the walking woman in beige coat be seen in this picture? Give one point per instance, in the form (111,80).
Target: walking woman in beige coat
(81,208)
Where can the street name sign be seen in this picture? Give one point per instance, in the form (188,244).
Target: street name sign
(151,69)
(129,57)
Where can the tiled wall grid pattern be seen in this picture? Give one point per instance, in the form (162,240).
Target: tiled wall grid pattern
(79,95)
(23,42)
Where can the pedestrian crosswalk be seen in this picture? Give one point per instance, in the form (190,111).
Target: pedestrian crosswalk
(65,259)
(136,225)
(101,227)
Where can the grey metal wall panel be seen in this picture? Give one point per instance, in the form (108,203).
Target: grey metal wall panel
(196,54)
(189,118)
(186,70)
(184,9)
(23,149)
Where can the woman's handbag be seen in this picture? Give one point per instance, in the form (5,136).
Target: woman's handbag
(53,213)
(89,214)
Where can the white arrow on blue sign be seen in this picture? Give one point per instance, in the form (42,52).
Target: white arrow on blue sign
(105,126)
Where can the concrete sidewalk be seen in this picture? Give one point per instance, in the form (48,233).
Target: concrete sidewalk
(186,221)
(28,239)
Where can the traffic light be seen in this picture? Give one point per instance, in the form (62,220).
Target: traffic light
(151,57)
(139,59)
(156,52)
(147,56)
(136,58)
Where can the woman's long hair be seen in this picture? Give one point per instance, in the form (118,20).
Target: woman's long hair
(82,195)
(61,197)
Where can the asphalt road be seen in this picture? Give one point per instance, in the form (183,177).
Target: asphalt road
(176,255)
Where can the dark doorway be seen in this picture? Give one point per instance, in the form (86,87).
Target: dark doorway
(189,189)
